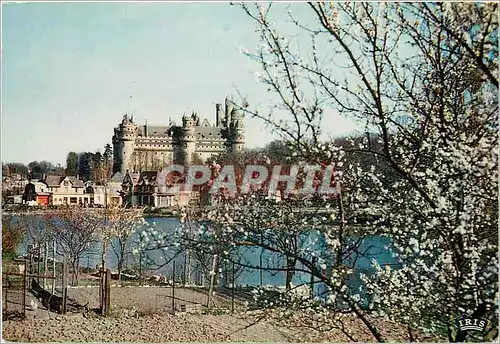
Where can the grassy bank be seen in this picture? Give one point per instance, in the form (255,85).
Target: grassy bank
(16,209)
(160,212)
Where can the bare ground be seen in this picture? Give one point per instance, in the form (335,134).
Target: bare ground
(180,328)
(143,314)
(147,300)
(152,328)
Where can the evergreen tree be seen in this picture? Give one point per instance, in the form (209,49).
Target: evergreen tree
(72,164)
(85,165)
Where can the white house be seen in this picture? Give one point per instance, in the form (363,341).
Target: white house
(67,190)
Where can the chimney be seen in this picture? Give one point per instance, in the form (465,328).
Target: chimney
(218,114)
(77,177)
(146,129)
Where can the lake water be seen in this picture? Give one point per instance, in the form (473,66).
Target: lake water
(375,248)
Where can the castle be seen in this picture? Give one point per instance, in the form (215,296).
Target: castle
(145,147)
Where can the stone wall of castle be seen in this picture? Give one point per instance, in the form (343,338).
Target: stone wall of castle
(148,148)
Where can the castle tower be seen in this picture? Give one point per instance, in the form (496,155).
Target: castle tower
(116,151)
(188,138)
(237,132)
(228,110)
(218,114)
(124,142)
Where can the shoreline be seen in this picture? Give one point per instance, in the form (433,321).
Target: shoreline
(52,211)
(145,215)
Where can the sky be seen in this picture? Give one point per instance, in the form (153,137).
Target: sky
(71,70)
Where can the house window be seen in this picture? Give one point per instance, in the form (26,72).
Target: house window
(66,183)
(73,200)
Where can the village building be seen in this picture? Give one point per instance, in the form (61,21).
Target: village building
(108,194)
(14,182)
(29,195)
(99,195)
(113,190)
(36,193)
(129,183)
(15,199)
(68,191)
(151,190)
(43,197)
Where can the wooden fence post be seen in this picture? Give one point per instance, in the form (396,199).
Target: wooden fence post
(6,287)
(212,277)
(188,267)
(108,292)
(184,276)
(314,260)
(29,266)
(102,296)
(232,290)
(25,273)
(45,263)
(39,258)
(173,289)
(65,284)
(140,265)
(54,267)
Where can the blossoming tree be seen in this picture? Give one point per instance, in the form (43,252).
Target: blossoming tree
(122,224)
(75,233)
(423,80)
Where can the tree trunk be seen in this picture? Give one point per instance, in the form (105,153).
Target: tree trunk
(119,267)
(121,259)
(290,272)
(77,269)
(74,274)
(103,257)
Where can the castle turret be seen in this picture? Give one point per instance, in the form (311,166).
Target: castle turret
(188,138)
(116,151)
(218,114)
(228,111)
(237,132)
(124,141)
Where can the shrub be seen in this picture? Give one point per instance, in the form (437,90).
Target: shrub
(12,235)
